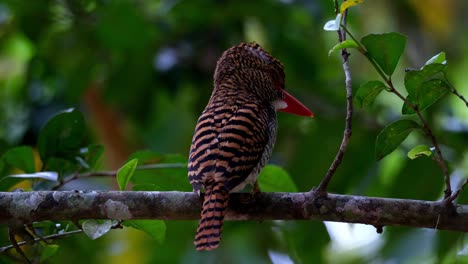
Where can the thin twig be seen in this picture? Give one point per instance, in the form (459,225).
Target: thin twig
(54,236)
(439,157)
(322,188)
(16,245)
(454,91)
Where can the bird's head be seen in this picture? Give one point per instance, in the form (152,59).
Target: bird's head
(250,68)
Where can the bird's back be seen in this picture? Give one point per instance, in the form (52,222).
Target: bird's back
(232,142)
(230,139)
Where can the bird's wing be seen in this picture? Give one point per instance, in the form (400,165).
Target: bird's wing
(229,144)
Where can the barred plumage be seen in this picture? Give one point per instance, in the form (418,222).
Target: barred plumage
(235,133)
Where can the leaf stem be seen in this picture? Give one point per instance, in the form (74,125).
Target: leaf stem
(454,91)
(54,236)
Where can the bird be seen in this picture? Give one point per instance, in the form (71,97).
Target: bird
(235,133)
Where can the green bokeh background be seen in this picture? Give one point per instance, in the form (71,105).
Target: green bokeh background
(141,72)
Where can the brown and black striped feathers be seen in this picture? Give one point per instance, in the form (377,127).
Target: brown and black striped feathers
(235,134)
(229,143)
(230,146)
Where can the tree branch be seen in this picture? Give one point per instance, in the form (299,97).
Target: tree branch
(349,110)
(27,207)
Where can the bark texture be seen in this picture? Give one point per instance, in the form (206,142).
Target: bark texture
(26,207)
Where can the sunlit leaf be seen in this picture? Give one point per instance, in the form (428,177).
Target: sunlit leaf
(62,136)
(439,58)
(155,228)
(428,93)
(125,173)
(95,229)
(419,151)
(275,179)
(385,49)
(367,93)
(348,4)
(392,136)
(333,25)
(20,158)
(349,43)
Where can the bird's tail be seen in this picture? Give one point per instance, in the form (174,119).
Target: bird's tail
(211,223)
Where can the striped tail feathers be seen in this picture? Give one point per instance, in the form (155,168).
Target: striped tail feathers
(215,205)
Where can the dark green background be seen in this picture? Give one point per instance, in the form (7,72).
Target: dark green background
(104,58)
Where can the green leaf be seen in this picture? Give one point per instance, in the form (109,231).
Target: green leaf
(275,179)
(439,58)
(333,25)
(419,151)
(96,228)
(385,49)
(422,90)
(414,79)
(125,173)
(392,136)
(20,158)
(428,93)
(62,136)
(349,43)
(367,93)
(48,251)
(155,228)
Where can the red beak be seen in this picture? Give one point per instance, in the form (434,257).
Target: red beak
(294,106)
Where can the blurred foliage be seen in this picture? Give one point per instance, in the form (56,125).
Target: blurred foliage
(138,73)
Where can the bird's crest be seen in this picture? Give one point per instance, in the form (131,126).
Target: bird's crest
(256,50)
